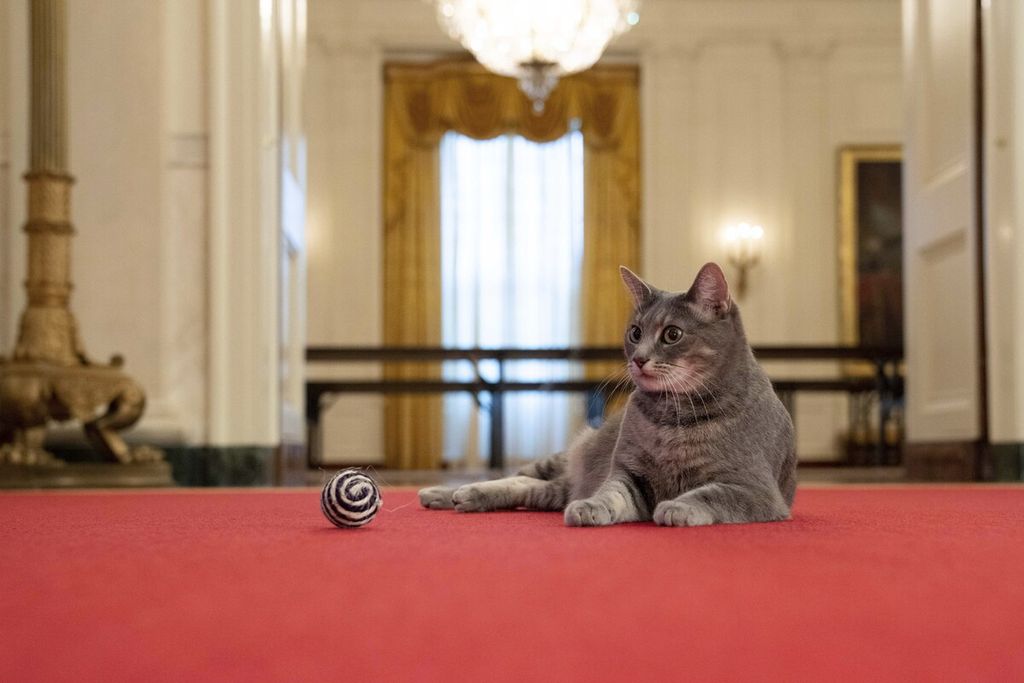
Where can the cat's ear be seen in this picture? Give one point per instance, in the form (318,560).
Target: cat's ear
(709,293)
(638,289)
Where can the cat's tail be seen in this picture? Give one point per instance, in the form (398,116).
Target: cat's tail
(547,469)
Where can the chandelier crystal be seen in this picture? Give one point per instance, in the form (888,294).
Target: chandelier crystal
(536,41)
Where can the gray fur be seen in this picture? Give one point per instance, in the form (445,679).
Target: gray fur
(703,439)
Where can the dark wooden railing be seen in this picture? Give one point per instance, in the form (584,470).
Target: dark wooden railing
(884,379)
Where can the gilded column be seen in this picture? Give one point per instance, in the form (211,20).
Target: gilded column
(48,25)
(49,378)
(47,331)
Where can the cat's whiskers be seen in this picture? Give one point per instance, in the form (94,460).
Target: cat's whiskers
(675,382)
(693,373)
(682,392)
(693,408)
(621,377)
(675,395)
(693,376)
(691,389)
(618,375)
(686,393)
(625,379)
(701,378)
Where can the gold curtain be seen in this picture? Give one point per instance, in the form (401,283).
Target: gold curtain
(422,103)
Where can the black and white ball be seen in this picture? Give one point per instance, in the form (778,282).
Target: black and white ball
(350,499)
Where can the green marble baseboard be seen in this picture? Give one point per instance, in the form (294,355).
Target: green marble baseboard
(1007,461)
(223,465)
(207,465)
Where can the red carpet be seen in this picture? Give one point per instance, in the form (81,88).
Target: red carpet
(877,584)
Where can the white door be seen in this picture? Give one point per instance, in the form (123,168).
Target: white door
(940,265)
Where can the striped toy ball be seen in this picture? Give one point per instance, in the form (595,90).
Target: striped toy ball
(350,499)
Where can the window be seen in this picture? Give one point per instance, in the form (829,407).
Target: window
(511,256)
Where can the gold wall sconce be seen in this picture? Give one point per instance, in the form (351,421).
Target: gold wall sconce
(743,247)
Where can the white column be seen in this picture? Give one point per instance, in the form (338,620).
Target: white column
(243,389)
(1004,199)
(179,395)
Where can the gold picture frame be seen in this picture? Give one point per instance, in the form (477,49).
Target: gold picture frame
(857,162)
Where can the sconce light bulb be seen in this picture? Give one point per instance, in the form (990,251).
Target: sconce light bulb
(743,243)
(743,232)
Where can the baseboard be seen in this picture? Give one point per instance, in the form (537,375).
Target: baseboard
(223,465)
(1007,461)
(213,465)
(946,461)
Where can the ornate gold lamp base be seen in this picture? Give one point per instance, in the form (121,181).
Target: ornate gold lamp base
(101,397)
(49,378)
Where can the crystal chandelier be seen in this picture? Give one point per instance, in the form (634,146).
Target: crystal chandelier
(536,41)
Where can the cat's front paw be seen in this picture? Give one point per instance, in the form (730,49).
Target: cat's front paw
(588,512)
(437,498)
(678,513)
(471,498)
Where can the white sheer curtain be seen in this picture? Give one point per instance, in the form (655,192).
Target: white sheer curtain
(511,255)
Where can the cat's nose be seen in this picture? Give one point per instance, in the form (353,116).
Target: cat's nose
(640,362)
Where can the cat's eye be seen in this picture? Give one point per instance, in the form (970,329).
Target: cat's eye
(635,333)
(671,334)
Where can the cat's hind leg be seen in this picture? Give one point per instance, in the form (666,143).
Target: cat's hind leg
(511,493)
(546,470)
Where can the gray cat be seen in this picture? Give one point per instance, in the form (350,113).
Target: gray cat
(702,440)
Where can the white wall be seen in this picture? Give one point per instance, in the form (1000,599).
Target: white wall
(5,204)
(744,104)
(173,139)
(1004,199)
(13,156)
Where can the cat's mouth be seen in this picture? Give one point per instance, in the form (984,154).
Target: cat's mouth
(662,377)
(645,380)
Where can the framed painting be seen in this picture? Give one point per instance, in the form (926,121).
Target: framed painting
(871,245)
